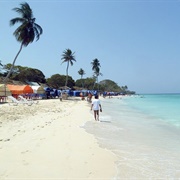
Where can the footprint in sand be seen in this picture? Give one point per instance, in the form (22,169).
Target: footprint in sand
(25,163)
(23,152)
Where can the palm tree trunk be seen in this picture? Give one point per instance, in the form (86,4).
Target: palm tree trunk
(94,83)
(81,81)
(98,84)
(5,80)
(67,74)
(13,64)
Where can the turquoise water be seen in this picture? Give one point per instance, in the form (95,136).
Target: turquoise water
(164,106)
(144,132)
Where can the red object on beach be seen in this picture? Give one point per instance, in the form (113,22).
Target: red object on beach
(20,89)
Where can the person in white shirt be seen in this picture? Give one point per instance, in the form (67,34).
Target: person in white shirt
(96,106)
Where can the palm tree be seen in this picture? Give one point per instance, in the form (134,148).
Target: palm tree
(68,57)
(81,73)
(27,31)
(96,68)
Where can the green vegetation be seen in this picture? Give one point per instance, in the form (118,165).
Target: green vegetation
(25,74)
(57,81)
(109,85)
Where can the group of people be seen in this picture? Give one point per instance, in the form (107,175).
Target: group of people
(95,104)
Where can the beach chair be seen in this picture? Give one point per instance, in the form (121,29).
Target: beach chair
(21,98)
(15,102)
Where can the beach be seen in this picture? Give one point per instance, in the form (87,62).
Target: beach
(47,141)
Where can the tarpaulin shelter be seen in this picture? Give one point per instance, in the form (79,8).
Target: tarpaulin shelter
(4,90)
(38,89)
(54,92)
(20,89)
(50,92)
(47,89)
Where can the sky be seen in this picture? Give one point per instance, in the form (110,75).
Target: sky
(137,42)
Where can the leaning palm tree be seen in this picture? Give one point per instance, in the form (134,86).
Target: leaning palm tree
(26,32)
(96,68)
(81,73)
(1,66)
(68,57)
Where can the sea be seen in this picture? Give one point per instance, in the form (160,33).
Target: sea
(143,131)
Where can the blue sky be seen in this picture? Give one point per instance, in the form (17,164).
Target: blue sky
(136,41)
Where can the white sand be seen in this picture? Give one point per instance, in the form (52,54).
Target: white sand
(47,141)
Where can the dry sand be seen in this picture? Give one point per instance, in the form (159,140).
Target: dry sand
(47,141)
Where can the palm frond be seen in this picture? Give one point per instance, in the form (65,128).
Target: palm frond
(37,30)
(18,10)
(28,30)
(16,20)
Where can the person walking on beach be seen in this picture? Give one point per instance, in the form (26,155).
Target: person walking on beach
(96,106)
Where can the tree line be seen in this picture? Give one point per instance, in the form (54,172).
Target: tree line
(57,81)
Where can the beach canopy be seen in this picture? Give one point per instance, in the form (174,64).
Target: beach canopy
(47,89)
(4,90)
(38,89)
(20,89)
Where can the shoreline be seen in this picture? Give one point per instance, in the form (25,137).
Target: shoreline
(145,145)
(46,140)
